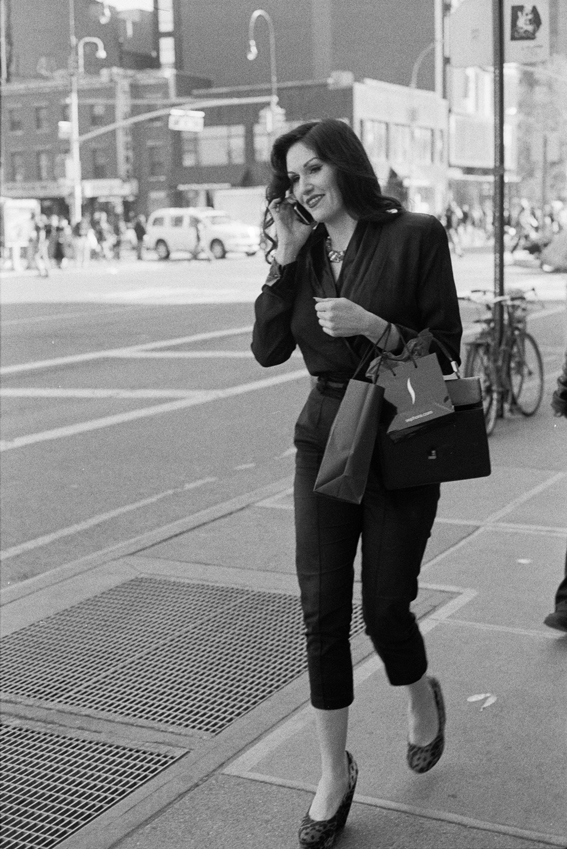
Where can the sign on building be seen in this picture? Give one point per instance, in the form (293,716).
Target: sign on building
(526,33)
(186,120)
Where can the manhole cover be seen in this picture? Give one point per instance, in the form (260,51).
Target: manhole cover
(54,784)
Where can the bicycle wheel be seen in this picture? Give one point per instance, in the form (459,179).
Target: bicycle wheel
(479,364)
(526,374)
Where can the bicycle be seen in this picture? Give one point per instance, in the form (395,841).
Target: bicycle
(511,373)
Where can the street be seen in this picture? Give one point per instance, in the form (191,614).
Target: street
(130,398)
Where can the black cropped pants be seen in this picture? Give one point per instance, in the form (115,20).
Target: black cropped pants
(394,528)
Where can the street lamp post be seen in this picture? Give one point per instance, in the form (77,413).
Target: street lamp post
(253,52)
(76,67)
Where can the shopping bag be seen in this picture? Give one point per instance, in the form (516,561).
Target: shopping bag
(454,449)
(343,473)
(415,394)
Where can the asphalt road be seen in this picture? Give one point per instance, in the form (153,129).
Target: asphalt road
(130,399)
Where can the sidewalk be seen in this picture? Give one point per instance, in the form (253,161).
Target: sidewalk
(497,551)
(174,664)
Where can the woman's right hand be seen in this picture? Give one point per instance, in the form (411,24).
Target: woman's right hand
(291,233)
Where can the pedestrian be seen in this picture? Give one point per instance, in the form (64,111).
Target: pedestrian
(333,288)
(452,221)
(81,243)
(558,619)
(60,236)
(201,249)
(140,231)
(39,245)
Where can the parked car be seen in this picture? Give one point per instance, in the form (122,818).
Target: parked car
(177,229)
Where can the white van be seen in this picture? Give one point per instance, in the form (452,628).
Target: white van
(177,229)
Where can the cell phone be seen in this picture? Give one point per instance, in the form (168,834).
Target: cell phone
(302,214)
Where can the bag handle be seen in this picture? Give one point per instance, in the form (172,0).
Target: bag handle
(445,351)
(373,349)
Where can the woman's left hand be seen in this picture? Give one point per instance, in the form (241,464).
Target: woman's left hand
(341,317)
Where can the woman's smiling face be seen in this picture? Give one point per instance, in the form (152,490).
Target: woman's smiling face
(314,184)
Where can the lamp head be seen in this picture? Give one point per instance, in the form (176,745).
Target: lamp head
(101,53)
(252,50)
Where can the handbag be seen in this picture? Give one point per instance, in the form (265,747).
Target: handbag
(415,394)
(455,449)
(345,466)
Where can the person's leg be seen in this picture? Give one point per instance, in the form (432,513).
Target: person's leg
(327,534)
(561,594)
(558,619)
(397,526)
(332,728)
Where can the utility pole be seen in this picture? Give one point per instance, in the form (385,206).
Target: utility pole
(76,211)
(499,167)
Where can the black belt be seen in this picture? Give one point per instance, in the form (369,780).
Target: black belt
(332,384)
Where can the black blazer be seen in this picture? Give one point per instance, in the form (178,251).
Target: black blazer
(400,270)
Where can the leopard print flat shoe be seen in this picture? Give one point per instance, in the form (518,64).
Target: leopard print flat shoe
(423,758)
(321,834)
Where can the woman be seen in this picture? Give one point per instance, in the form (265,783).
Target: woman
(333,288)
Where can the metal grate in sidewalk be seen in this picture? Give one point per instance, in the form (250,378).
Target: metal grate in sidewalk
(55,784)
(162,652)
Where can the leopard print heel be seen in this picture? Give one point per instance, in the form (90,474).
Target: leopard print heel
(423,758)
(321,834)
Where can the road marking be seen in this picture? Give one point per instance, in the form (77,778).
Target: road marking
(34,319)
(46,539)
(40,392)
(118,352)
(145,412)
(185,355)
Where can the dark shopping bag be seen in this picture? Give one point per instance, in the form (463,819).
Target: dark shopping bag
(415,394)
(455,449)
(346,462)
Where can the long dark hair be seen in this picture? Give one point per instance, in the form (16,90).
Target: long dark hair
(337,144)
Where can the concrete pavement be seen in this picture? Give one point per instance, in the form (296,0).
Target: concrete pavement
(491,569)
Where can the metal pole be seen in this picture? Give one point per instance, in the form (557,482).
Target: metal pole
(76,211)
(253,52)
(498,46)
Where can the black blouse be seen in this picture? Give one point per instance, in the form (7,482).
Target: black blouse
(400,270)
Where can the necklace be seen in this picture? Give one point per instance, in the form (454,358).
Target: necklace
(334,256)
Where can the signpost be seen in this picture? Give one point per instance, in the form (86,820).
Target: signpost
(486,33)
(186,120)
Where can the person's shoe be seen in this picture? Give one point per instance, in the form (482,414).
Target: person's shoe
(423,758)
(557,620)
(321,834)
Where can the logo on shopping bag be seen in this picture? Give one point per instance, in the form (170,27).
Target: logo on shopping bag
(411,391)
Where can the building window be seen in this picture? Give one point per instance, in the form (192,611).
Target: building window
(165,16)
(189,149)
(423,145)
(156,160)
(41,118)
(262,143)
(400,143)
(167,52)
(441,153)
(98,112)
(100,163)
(15,123)
(375,139)
(43,163)
(222,145)
(17,167)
